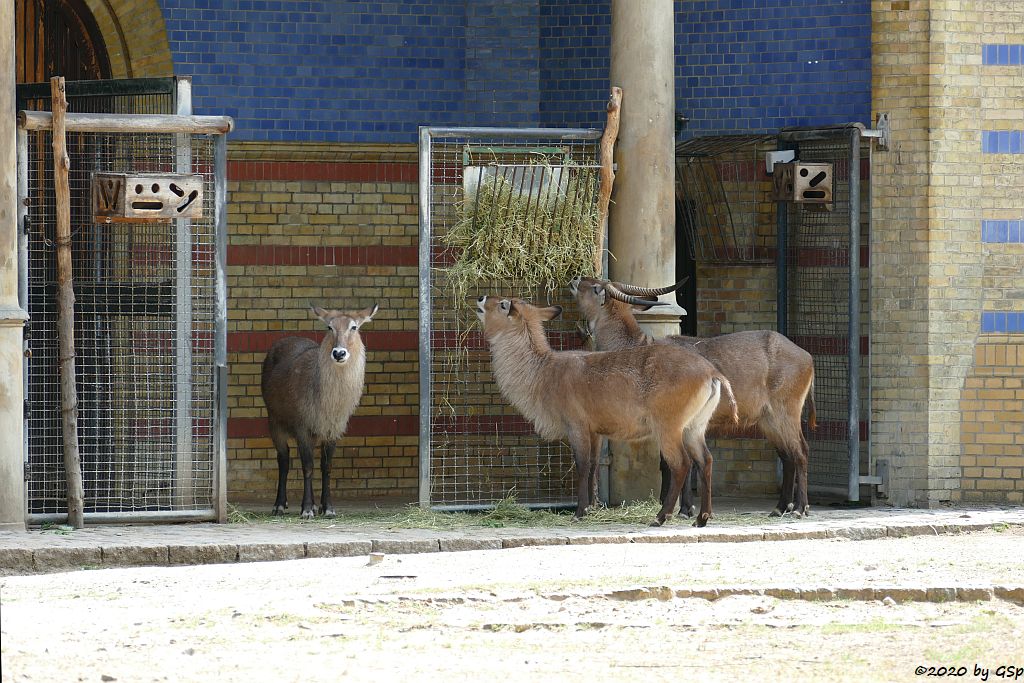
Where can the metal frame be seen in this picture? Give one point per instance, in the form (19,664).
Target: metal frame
(183,125)
(426,136)
(788,138)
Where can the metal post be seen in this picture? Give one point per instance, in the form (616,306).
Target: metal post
(220,343)
(183,480)
(424,332)
(23,263)
(853,427)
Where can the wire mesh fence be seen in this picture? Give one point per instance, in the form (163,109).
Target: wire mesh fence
(144,333)
(726,214)
(475,449)
(818,309)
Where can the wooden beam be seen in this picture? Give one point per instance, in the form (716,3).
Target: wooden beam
(611,133)
(124,123)
(66,307)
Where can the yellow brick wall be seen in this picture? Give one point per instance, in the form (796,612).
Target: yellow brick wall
(992,404)
(338,242)
(134,34)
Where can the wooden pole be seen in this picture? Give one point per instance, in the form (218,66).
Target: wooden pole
(66,307)
(611,133)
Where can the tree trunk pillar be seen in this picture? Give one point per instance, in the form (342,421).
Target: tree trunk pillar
(642,219)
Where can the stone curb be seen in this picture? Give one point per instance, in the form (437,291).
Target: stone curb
(892,595)
(60,556)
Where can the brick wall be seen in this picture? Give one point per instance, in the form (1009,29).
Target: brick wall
(946,411)
(337,227)
(992,400)
(992,404)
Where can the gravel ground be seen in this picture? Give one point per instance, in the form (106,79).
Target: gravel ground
(538,613)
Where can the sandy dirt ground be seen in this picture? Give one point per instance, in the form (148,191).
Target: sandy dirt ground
(565,613)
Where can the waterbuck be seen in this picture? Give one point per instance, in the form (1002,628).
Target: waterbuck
(311,391)
(771,376)
(663,391)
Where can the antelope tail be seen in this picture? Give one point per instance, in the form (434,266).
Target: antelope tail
(730,399)
(812,413)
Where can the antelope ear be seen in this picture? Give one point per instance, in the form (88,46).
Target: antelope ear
(601,294)
(366,315)
(319,312)
(508,307)
(549,313)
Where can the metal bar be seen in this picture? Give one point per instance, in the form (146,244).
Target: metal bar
(23,264)
(425,321)
(184,477)
(476,132)
(220,344)
(134,516)
(112,87)
(853,343)
(129,123)
(475,507)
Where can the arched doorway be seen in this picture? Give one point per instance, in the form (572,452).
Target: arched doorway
(58,38)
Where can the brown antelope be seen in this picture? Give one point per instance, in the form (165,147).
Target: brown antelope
(771,376)
(310,392)
(663,391)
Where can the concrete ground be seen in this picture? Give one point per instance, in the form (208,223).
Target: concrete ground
(57,549)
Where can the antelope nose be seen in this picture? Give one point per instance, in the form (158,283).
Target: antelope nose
(339,354)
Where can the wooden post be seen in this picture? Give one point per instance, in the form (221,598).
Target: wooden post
(66,308)
(611,133)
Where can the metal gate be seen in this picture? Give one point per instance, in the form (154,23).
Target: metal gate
(475,449)
(150,320)
(823,288)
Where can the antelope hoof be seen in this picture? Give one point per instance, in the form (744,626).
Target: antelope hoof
(307,514)
(702,520)
(279,509)
(688,512)
(329,512)
(807,511)
(775,513)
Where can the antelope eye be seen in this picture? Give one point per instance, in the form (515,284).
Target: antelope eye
(504,305)
(353,327)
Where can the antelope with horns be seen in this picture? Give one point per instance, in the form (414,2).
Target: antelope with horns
(665,391)
(310,392)
(771,376)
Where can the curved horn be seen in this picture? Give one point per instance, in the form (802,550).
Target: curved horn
(652,292)
(615,293)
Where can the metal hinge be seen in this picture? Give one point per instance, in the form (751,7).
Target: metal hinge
(880,133)
(880,479)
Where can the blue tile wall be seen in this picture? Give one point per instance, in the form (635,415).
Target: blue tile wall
(321,69)
(1002,55)
(375,70)
(1005,322)
(1002,142)
(575,60)
(761,65)
(502,63)
(1002,232)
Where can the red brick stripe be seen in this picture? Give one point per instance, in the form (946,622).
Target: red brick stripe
(289,255)
(825,345)
(359,425)
(260,342)
(363,172)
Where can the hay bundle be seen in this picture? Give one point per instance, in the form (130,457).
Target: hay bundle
(525,234)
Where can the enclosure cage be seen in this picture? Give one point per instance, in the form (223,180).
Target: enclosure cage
(150,311)
(722,202)
(475,449)
(727,214)
(823,293)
